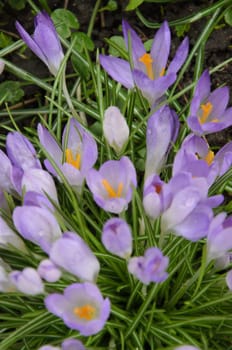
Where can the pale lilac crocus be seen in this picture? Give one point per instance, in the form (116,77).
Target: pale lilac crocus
(229,279)
(38,225)
(149,71)
(151,267)
(186,347)
(68,344)
(117,238)
(2,66)
(115,128)
(208,110)
(112,186)
(153,201)
(5,282)
(27,281)
(9,238)
(77,155)
(44,42)
(49,271)
(162,130)
(82,307)
(72,254)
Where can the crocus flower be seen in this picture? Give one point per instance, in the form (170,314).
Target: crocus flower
(81,307)
(112,186)
(208,111)
(49,271)
(38,225)
(5,282)
(68,344)
(77,155)
(219,240)
(117,238)
(37,200)
(44,42)
(162,130)
(72,253)
(2,66)
(153,201)
(149,71)
(229,279)
(9,237)
(151,267)
(27,281)
(115,128)
(186,347)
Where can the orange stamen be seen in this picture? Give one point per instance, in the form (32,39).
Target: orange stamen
(147,60)
(87,312)
(110,190)
(206,110)
(158,188)
(209,157)
(162,72)
(70,159)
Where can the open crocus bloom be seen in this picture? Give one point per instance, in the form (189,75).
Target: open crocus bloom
(77,155)
(112,186)
(68,344)
(208,111)
(81,307)
(149,70)
(44,42)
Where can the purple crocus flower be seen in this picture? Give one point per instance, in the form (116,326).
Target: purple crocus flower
(81,307)
(6,284)
(49,271)
(162,131)
(219,240)
(9,238)
(38,225)
(151,267)
(229,279)
(149,73)
(186,347)
(112,186)
(27,281)
(68,344)
(153,201)
(44,42)
(117,238)
(79,152)
(208,111)
(72,253)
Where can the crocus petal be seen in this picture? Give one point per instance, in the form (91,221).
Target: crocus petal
(27,281)
(49,347)
(219,99)
(5,173)
(118,69)
(186,347)
(49,143)
(49,271)
(229,279)
(180,57)
(202,89)
(9,237)
(72,344)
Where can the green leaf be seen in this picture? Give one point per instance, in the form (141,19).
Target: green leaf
(10,91)
(148,44)
(17,4)
(5,40)
(133,4)
(114,42)
(228,16)
(182,29)
(111,6)
(64,21)
(82,40)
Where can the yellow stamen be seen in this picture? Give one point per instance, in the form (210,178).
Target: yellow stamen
(162,72)
(87,312)
(210,157)
(206,110)
(70,159)
(110,190)
(147,60)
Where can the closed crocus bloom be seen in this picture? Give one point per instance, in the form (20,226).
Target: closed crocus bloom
(27,281)
(112,186)
(38,225)
(229,279)
(81,307)
(77,155)
(9,237)
(186,347)
(151,267)
(115,128)
(117,238)
(208,111)
(72,254)
(49,271)
(68,344)
(149,73)
(44,42)
(40,181)
(162,130)
(153,201)
(6,174)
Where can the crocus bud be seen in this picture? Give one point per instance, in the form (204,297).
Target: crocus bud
(117,238)
(27,281)
(49,271)
(115,128)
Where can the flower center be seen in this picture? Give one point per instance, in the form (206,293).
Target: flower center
(147,60)
(76,162)
(111,191)
(86,311)
(206,110)
(209,157)
(158,188)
